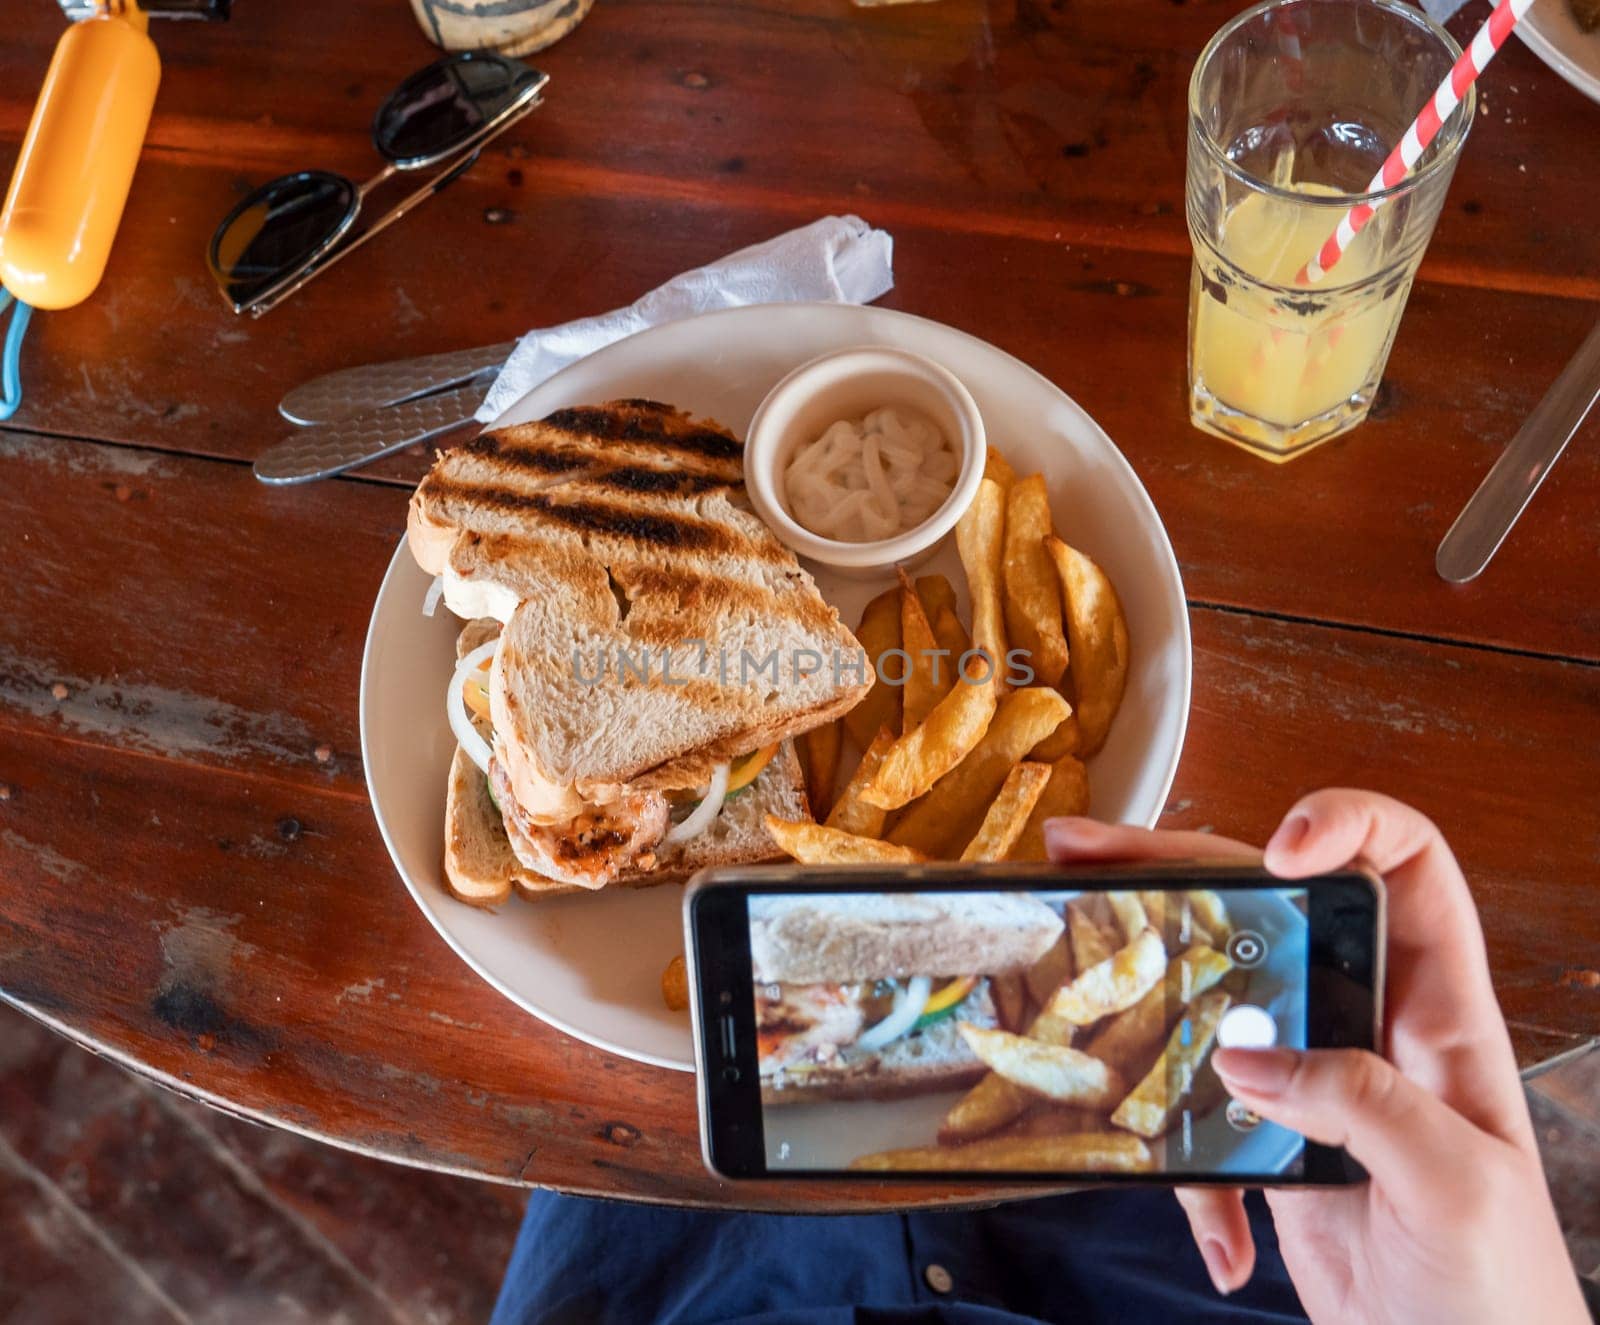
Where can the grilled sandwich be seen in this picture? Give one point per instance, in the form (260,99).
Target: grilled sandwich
(656,644)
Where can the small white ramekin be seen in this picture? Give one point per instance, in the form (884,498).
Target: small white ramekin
(847,384)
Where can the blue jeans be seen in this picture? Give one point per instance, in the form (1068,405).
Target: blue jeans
(1101,1256)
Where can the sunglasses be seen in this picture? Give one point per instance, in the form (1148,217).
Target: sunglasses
(289,230)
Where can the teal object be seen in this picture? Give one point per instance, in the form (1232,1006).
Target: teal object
(10,357)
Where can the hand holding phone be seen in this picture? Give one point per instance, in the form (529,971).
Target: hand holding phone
(1456,1223)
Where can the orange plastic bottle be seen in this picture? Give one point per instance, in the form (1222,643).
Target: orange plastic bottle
(77,162)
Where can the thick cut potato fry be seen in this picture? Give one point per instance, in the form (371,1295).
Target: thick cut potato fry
(1008,812)
(1051,971)
(937,595)
(1010,999)
(1090,946)
(851,814)
(878,632)
(1210,913)
(821,763)
(994,1101)
(1032,589)
(1153,1104)
(947,735)
(1131,1040)
(1066,793)
(1097,638)
(929,678)
(980,539)
(1170,915)
(813,844)
(952,635)
(949,814)
(1077,1152)
(1129,911)
(675,985)
(1051,1121)
(998,469)
(1062,741)
(1052,1071)
(1114,984)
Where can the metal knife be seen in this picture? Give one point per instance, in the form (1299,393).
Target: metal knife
(1507,489)
(326,449)
(356,390)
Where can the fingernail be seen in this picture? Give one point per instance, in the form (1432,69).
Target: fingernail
(1291,833)
(1072,830)
(1218,1266)
(1259,1071)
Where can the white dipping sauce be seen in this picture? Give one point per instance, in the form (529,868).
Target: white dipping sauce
(872,478)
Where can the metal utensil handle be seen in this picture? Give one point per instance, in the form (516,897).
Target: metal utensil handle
(1507,489)
(332,448)
(356,390)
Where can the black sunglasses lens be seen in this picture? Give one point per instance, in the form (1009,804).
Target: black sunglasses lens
(277,229)
(439,108)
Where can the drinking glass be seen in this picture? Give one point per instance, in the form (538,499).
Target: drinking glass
(1293,107)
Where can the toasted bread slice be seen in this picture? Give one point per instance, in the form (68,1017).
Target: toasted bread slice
(660,627)
(482,870)
(927,1061)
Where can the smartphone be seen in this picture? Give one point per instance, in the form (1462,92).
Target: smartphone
(1018,1022)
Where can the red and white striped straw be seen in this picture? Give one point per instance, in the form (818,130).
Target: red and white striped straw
(1474,60)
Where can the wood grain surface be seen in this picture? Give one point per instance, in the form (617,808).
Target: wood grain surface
(191,881)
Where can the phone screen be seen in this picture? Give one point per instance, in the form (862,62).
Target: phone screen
(1025,1032)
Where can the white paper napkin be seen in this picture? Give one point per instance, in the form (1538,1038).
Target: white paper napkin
(839,259)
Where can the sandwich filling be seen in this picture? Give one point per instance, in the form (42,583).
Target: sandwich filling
(801,1026)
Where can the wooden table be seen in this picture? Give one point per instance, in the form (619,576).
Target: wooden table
(191,881)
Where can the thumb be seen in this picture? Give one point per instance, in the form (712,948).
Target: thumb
(1403,1136)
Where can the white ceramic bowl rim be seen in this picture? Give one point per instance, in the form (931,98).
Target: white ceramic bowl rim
(760,479)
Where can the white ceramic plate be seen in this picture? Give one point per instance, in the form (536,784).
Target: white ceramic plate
(830,1134)
(1555,37)
(591,966)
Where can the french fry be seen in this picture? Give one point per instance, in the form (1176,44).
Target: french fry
(1118,982)
(1153,1104)
(947,735)
(1066,793)
(878,632)
(1008,812)
(1056,1122)
(952,635)
(980,539)
(1097,638)
(994,1101)
(938,595)
(821,764)
(675,985)
(1129,911)
(929,678)
(1051,971)
(1131,1040)
(1090,946)
(949,814)
(1062,741)
(1210,913)
(1032,597)
(1051,1071)
(851,814)
(997,469)
(1077,1152)
(814,844)
(1170,915)
(1010,1000)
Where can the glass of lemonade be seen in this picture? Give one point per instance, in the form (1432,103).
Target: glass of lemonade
(1293,107)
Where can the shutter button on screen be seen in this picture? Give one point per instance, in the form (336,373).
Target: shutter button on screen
(1247,1027)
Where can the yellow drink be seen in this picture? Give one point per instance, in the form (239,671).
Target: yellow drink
(1275,366)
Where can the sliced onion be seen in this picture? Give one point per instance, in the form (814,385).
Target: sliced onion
(704,812)
(455,705)
(908,1005)
(430,600)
